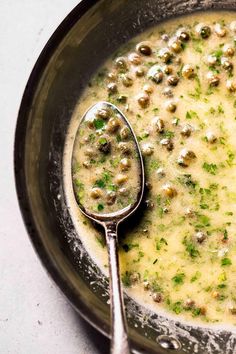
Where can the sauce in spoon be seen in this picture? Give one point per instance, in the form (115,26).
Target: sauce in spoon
(108,183)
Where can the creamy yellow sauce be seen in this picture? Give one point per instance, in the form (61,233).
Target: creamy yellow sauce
(181,255)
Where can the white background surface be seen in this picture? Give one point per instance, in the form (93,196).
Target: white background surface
(34,317)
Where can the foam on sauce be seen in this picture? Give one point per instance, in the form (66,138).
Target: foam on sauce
(181,255)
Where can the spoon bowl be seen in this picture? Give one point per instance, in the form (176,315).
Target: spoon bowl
(109,219)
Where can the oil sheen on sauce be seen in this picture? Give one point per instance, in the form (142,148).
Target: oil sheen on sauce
(176,84)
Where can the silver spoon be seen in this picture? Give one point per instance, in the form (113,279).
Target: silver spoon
(110,222)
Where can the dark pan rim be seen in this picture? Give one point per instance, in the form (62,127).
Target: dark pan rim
(19,162)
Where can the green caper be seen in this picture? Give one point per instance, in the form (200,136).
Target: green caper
(127,80)
(147,149)
(213,79)
(125,148)
(113,125)
(219,30)
(135,59)
(103,113)
(110,197)
(186,130)
(228,50)
(121,63)
(143,100)
(226,64)
(205,32)
(139,72)
(112,87)
(169,190)
(167,142)
(96,193)
(171,106)
(125,164)
(124,132)
(172,80)
(188,71)
(182,35)
(144,49)
(165,54)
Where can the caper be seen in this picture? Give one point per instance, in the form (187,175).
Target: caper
(167,142)
(188,71)
(147,149)
(122,99)
(187,154)
(216,294)
(167,69)
(160,125)
(148,186)
(231,85)
(182,35)
(87,164)
(181,161)
(167,91)
(125,164)
(226,64)
(212,59)
(232,309)
(186,130)
(139,72)
(228,50)
(219,30)
(160,172)
(204,31)
(165,54)
(112,87)
(172,80)
(96,193)
(125,148)
(146,285)
(171,106)
(157,297)
(112,76)
(89,152)
(103,113)
(149,204)
(113,125)
(103,144)
(121,63)
(189,212)
(200,236)
(111,197)
(213,79)
(211,138)
(121,178)
(169,190)
(157,77)
(175,45)
(144,49)
(124,132)
(134,277)
(135,59)
(189,303)
(148,89)
(143,100)
(165,37)
(127,81)
(123,191)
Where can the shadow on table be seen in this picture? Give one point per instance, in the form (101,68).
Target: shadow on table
(100,342)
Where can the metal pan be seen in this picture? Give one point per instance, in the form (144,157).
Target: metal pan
(91,32)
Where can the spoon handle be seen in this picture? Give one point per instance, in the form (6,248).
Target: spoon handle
(119,339)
